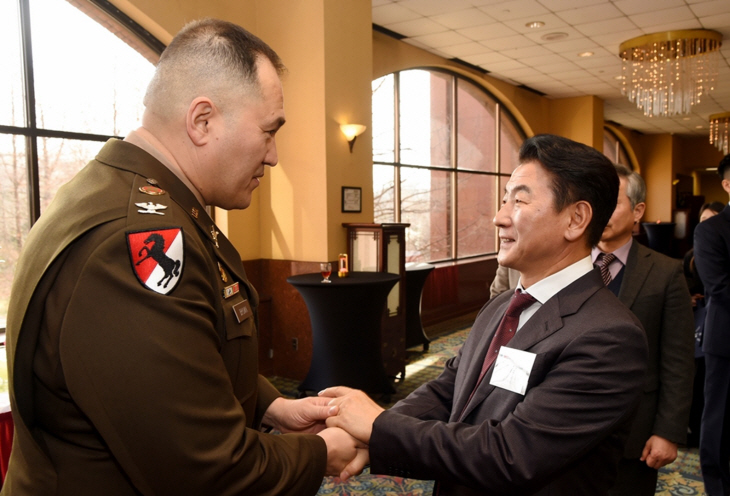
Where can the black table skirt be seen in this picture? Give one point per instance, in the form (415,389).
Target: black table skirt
(346,316)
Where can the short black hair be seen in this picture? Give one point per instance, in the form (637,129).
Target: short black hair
(579,173)
(724,166)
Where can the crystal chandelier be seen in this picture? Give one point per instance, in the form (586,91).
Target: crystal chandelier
(667,73)
(719,127)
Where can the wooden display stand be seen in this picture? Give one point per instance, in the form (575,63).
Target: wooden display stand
(382,248)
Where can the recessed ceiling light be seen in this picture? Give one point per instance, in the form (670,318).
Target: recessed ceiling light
(554,36)
(618,78)
(585,54)
(686,118)
(699,127)
(535,24)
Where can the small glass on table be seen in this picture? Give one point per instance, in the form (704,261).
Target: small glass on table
(326,270)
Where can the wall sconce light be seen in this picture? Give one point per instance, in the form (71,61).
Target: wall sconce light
(351,132)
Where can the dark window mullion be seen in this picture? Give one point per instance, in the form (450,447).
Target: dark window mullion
(454,191)
(396,148)
(31,143)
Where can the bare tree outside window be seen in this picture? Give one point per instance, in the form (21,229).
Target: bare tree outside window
(88,86)
(448,198)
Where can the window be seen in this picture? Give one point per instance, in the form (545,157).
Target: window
(443,148)
(72,77)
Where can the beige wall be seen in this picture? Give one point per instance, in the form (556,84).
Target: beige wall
(580,119)
(658,174)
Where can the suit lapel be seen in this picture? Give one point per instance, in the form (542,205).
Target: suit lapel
(545,322)
(638,264)
(472,355)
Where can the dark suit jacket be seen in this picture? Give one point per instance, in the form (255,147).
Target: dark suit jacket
(712,257)
(564,436)
(655,290)
(119,390)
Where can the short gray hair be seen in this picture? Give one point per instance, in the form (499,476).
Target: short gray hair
(207,57)
(635,185)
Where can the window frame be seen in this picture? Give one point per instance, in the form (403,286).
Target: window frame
(453,169)
(119,24)
(31,131)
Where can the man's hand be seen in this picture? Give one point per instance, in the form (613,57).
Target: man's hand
(659,452)
(306,415)
(346,456)
(352,410)
(696,298)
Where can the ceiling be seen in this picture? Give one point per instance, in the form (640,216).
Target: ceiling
(492,34)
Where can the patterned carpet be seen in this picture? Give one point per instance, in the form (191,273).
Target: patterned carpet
(681,478)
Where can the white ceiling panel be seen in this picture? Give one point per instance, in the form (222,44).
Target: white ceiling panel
(434,7)
(508,42)
(664,16)
(591,13)
(391,13)
(441,40)
(488,32)
(463,19)
(416,27)
(633,7)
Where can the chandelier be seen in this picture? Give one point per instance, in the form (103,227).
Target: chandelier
(667,73)
(719,127)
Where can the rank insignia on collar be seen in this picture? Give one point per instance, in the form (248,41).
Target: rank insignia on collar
(214,234)
(157,258)
(151,208)
(194,212)
(224,277)
(152,190)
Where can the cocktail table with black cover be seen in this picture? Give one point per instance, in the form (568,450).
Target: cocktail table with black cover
(346,318)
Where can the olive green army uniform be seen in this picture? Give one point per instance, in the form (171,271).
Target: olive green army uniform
(126,380)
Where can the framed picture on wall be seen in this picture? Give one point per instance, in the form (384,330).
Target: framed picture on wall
(351,199)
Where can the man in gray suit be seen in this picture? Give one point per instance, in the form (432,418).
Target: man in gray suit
(551,413)
(653,286)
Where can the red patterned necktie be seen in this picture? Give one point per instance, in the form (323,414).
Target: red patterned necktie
(507,327)
(603,261)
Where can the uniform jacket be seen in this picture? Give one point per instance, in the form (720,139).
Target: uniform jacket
(712,257)
(118,389)
(564,436)
(655,290)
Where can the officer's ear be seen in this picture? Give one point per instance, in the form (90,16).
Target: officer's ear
(197,120)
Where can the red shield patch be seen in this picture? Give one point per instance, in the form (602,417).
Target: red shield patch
(157,258)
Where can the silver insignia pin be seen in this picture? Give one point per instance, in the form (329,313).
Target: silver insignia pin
(151,208)
(214,234)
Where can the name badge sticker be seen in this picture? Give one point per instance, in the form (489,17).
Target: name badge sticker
(512,369)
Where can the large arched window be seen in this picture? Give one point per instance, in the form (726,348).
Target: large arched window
(443,148)
(72,76)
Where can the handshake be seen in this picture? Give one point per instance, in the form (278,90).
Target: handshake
(343,417)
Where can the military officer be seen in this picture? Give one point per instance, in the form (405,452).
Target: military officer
(131,335)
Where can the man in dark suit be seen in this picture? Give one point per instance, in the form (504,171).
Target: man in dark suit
(132,343)
(653,286)
(551,413)
(712,258)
